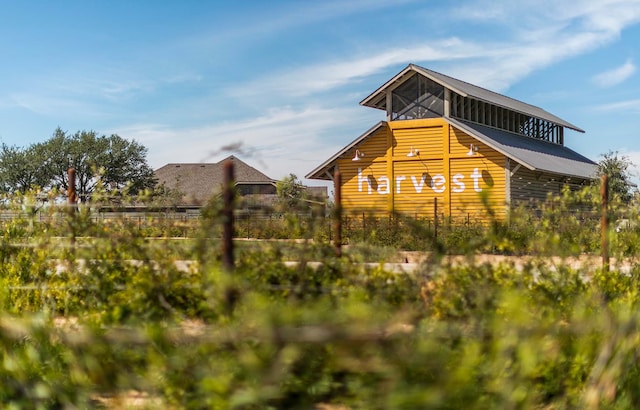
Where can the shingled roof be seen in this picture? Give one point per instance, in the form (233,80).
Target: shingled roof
(199,181)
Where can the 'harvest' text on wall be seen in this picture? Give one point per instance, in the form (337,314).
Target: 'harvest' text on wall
(438,182)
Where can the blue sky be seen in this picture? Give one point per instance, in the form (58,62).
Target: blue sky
(283,79)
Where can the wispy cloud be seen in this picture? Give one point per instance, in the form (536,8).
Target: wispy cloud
(279,18)
(541,34)
(325,76)
(598,15)
(285,133)
(288,115)
(567,31)
(615,76)
(49,104)
(630,106)
(276,138)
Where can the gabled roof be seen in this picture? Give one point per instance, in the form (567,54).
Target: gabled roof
(199,181)
(323,171)
(378,98)
(532,153)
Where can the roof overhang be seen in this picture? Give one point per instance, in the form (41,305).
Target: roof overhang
(377,99)
(325,170)
(532,153)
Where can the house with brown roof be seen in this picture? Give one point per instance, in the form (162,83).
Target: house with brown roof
(198,182)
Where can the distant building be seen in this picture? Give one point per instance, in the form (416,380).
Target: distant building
(449,142)
(196,183)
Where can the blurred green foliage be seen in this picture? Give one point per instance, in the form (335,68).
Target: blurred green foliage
(98,313)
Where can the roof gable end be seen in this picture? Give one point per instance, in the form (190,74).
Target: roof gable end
(464,89)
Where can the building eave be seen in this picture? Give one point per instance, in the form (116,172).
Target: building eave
(465,89)
(324,171)
(536,155)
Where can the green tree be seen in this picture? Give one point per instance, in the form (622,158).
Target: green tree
(290,190)
(113,162)
(618,169)
(21,168)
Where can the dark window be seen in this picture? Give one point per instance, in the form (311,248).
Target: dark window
(418,97)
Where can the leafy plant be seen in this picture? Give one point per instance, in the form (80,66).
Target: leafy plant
(96,309)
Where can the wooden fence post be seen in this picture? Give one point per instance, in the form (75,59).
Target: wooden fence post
(227,217)
(72,197)
(337,217)
(72,201)
(604,221)
(435,219)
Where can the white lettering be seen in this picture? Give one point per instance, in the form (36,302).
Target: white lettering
(398,180)
(417,186)
(457,181)
(438,183)
(383,189)
(362,179)
(476,177)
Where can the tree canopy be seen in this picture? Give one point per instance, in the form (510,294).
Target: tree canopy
(113,162)
(290,190)
(618,169)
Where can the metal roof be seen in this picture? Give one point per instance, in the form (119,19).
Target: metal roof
(378,98)
(535,154)
(532,153)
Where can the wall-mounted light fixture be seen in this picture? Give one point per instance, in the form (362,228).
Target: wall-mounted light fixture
(473,149)
(359,155)
(413,152)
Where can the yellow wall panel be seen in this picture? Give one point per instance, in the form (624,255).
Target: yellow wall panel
(375,147)
(477,182)
(387,180)
(365,185)
(428,141)
(418,123)
(417,183)
(459,144)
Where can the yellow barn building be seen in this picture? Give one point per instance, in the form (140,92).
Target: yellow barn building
(454,144)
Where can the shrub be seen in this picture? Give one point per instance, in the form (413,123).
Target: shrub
(92,309)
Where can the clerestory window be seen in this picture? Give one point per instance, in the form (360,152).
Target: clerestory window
(418,97)
(481,112)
